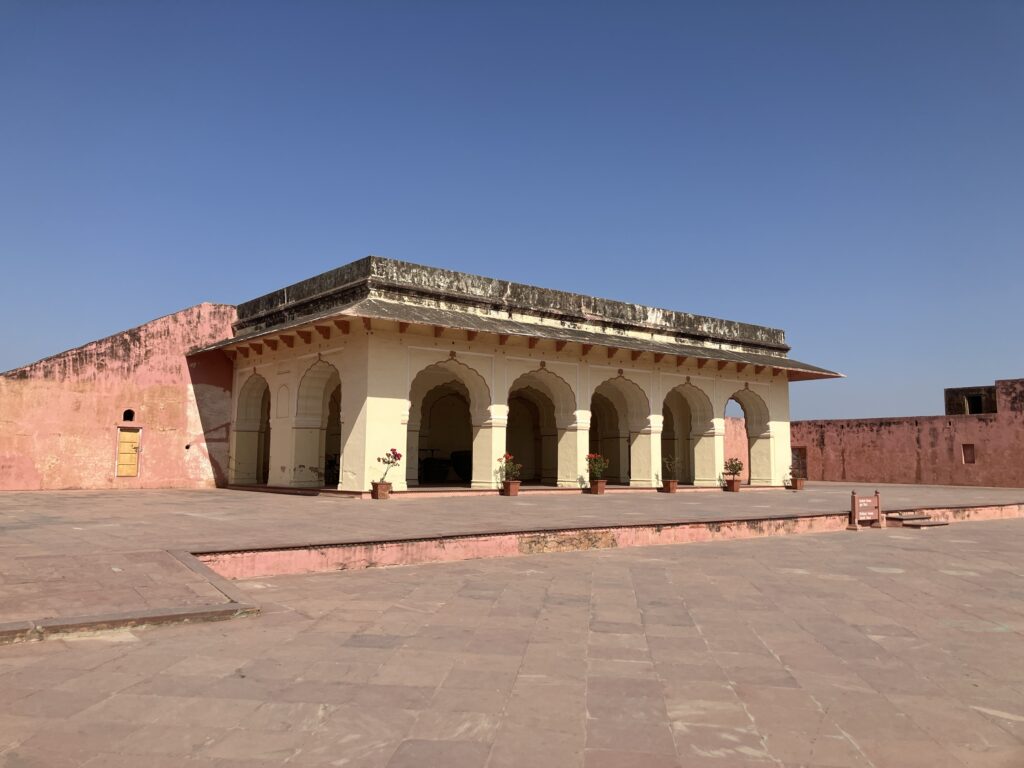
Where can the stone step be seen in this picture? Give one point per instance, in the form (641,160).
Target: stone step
(897,516)
(924,523)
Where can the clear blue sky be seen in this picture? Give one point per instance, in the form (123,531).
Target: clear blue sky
(852,172)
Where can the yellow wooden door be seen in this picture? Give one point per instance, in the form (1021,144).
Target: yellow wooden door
(128,452)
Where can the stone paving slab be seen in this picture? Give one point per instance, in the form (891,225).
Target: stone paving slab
(71,554)
(50,586)
(882,649)
(57,522)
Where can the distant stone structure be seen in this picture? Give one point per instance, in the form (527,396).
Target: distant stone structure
(980,441)
(304,387)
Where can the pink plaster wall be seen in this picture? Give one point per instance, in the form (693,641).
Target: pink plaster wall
(59,416)
(737,445)
(343,557)
(926,450)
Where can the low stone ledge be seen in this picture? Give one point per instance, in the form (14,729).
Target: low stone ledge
(129,619)
(236,605)
(16,632)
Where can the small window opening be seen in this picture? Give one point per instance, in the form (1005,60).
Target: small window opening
(968,452)
(975,404)
(128,415)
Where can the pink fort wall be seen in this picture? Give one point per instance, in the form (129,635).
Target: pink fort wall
(927,450)
(737,445)
(59,416)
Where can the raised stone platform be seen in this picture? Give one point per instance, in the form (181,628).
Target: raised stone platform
(47,538)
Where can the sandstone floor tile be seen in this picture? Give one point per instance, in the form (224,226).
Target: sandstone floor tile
(417,753)
(628,736)
(603,758)
(518,745)
(487,701)
(711,741)
(243,745)
(455,726)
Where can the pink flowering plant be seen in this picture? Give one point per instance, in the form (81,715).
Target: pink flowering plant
(596,465)
(507,467)
(390,459)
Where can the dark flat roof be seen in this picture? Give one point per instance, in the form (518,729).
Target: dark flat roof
(374,276)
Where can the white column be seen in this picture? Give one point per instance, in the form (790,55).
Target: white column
(645,454)
(709,455)
(489,446)
(573,447)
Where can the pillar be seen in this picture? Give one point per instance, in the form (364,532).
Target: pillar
(573,447)
(645,453)
(489,446)
(709,454)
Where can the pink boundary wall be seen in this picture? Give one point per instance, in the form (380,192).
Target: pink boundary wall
(737,445)
(325,558)
(59,416)
(921,450)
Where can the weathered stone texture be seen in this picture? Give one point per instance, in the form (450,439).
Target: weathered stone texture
(928,450)
(387,277)
(59,416)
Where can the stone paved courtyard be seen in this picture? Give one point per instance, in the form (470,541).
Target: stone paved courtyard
(881,648)
(73,553)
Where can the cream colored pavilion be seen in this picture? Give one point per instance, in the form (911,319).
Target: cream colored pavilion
(454,370)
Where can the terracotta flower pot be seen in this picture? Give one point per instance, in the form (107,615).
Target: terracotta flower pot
(380,491)
(797,483)
(669,486)
(509,487)
(597,487)
(732,484)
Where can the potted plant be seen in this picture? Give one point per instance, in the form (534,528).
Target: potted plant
(509,471)
(381,489)
(596,465)
(796,480)
(733,468)
(669,483)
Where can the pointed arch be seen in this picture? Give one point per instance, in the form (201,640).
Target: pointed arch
(688,435)
(315,389)
(557,390)
(250,450)
(250,402)
(620,412)
(445,371)
(318,430)
(755,411)
(757,421)
(448,402)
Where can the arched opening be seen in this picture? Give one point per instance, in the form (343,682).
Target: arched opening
(448,403)
(748,436)
(531,436)
(446,437)
(318,428)
(332,443)
(251,459)
(540,408)
(128,415)
(619,412)
(687,437)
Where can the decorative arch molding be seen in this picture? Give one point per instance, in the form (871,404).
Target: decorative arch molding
(755,412)
(554,387)
(630,399)
(702,412)
(445,372)
(314,393)
(250,403)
